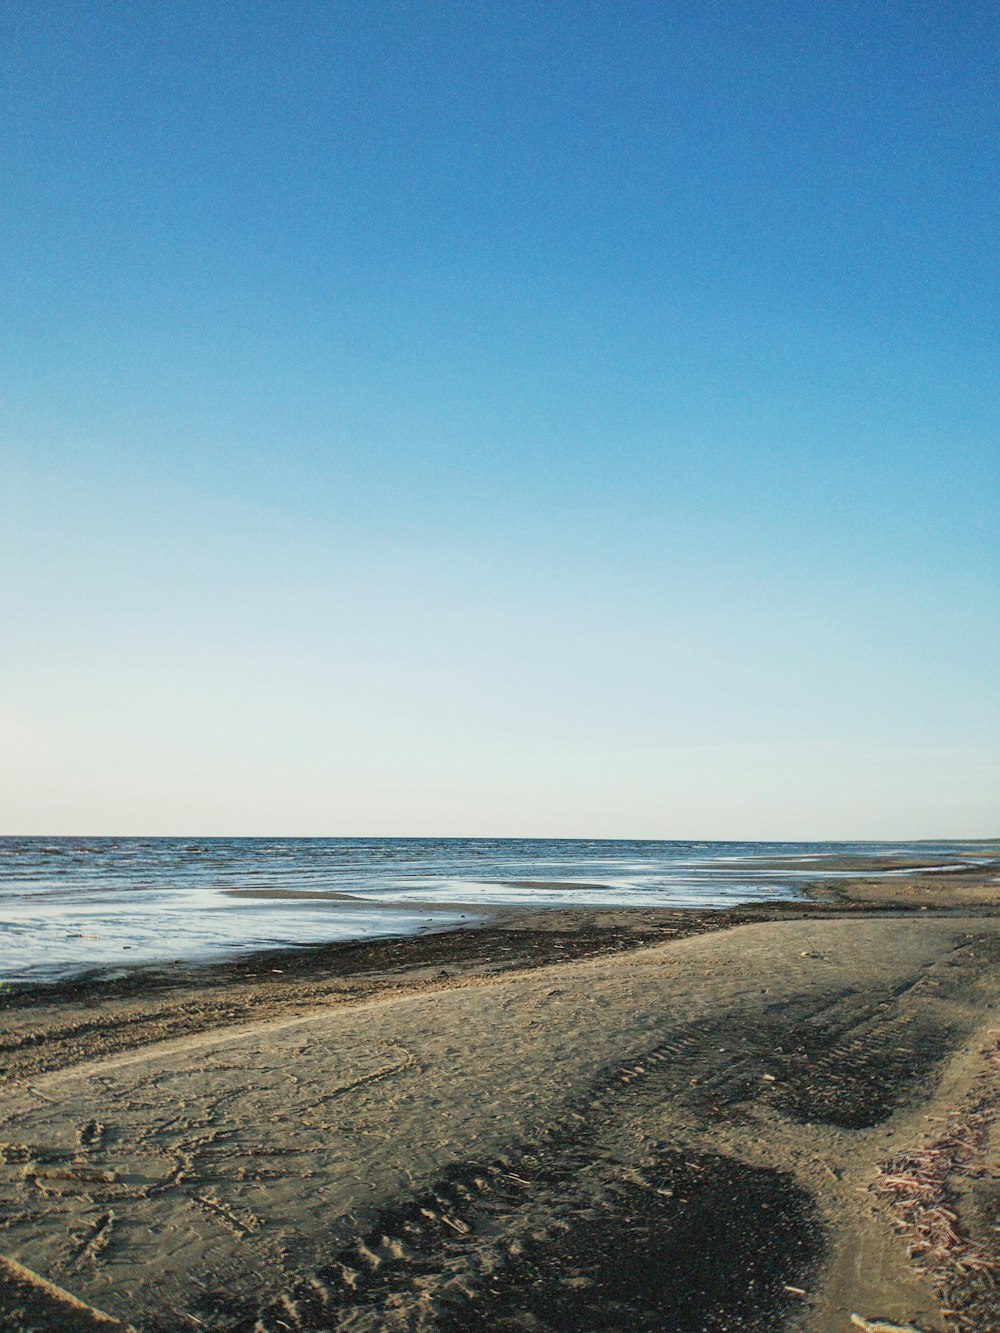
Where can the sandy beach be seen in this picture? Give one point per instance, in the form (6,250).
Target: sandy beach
(775,1117)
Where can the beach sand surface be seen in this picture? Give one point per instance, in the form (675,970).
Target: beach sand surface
(569,1121)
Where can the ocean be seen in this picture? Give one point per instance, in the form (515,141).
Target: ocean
(76,906)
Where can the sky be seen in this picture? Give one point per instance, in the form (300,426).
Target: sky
(529,419)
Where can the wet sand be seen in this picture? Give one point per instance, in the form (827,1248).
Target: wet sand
(567,1120)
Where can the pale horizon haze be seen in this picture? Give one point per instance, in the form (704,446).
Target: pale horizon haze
(531,420)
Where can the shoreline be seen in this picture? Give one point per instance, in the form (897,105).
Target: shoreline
(71,915)
(852,890)
(580,1047)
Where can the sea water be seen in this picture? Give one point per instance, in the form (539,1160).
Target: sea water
(72,906)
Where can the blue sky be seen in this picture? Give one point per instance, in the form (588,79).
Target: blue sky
(463,418)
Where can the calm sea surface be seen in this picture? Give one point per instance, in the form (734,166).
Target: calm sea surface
(69,906)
